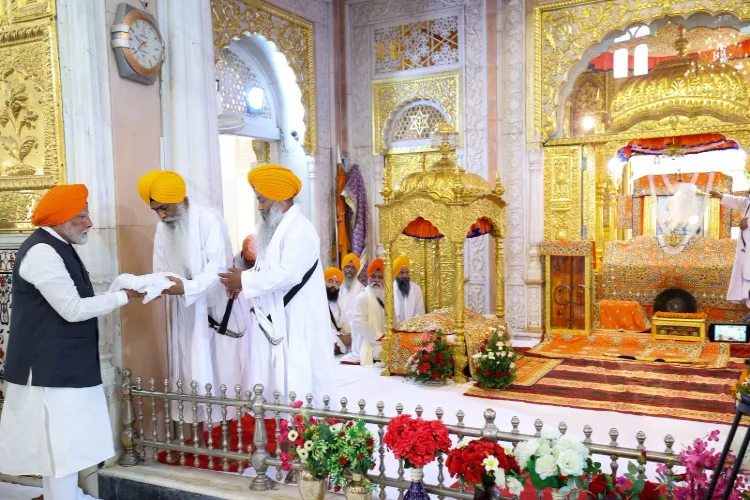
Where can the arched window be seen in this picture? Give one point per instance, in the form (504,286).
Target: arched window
(621,63)
(640,66)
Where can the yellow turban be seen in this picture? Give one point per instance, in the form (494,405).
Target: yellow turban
(400,263)
(351,258)
(60,204)
(275,182)
(162,186)
(333,272)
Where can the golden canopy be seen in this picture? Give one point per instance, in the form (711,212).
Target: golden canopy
(453,202)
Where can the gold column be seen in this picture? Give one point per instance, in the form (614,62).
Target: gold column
(429,275)
(612,212)
(425,264)
(649,221)
(385,351)
(600,190)
(499,277)
(459,347)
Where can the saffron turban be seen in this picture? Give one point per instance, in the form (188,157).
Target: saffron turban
(60,204)
(248,248)
(400,263)
(333,272)
(375,265)
(275,182)
(351,258)
(162,186)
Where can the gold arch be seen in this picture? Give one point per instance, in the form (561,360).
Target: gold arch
(293,35)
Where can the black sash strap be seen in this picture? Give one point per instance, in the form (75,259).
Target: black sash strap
(380,301)
(288,296)
(333,320)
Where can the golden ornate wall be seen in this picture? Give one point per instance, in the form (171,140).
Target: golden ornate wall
(294,36)
(32,156)
(562,193)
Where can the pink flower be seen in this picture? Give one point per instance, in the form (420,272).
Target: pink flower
(714,436)
(425,337)
(430,347)
(296,404)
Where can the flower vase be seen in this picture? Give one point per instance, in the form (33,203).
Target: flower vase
(556,495)
(310,488)
(355,488)
(416,490)
(486,492)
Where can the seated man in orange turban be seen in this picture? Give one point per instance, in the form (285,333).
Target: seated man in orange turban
(341,327)
(55,421)
(369,314)
(290,346)
(408,300)
(350,290)
(192,241)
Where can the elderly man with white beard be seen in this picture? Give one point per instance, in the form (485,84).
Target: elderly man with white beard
(350,290)
(192,241)
(290,347)
(369,314)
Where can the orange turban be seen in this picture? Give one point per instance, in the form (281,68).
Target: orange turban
(60,204)
(333,272)
(375,265)
(400,263)
(275,182)
(248,248)
(162,186)
(351,258)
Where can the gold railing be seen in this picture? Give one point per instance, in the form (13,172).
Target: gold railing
(136,441)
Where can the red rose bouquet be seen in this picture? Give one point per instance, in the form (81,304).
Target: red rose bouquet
(433,361)
(495,362)
(484,463)
(416,441)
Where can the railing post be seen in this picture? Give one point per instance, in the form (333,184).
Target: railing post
(130,456)
(489,431)
(261,482)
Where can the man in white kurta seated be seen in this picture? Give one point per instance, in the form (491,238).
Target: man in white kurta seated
(369,315)
(407,295)
(340,326)
(192,241)
(739,283)
(55,421)
(290,348)
(348,294)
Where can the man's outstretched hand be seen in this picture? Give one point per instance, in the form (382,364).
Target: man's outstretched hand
(177,289)
(232,280)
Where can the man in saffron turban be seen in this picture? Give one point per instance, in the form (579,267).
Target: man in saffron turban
(192,242)
(55,421)
(350,290)
(408,300)
(290,346)
(369,314)
(340,326)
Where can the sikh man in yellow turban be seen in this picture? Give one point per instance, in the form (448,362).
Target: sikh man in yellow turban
(408,300)
(341,329)
(192,242)
(55,421)
(350,290)
(290,346)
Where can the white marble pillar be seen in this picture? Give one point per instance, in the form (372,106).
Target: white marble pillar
(190,112)
(84,72)
(536,212)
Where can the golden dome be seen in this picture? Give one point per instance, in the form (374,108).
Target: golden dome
(444,180)
(685,86)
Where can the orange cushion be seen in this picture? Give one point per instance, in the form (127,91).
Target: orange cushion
(622,315)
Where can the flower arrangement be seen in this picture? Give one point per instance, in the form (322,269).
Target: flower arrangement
(302,433)
(482,462)
(416,441)
(348,447)
(596,484)
(673,315)
(433,361)
(551,459)
(496,362)
(742,387)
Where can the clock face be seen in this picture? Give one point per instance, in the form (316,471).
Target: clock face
(145,44)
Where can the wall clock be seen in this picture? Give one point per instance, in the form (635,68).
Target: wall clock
(138,45)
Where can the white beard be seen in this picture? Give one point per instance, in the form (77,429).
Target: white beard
(349,282)
(176,250)
(266,227)
(378,291)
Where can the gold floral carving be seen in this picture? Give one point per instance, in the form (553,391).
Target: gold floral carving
(562,193)
(389,96)
(31,137)
(294,36)
(565,30)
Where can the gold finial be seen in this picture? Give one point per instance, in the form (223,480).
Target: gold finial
(499,189)
(445,139)
(681,44)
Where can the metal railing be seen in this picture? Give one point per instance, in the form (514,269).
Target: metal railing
(136,441)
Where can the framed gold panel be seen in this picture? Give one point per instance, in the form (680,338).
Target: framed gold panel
(562,193)
(293,35)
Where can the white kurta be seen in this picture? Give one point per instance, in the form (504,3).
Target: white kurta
(56,431)
(347,299)
(335,309)
(739,284)
(407,307)
(303,359)
(368,324)
(196,351)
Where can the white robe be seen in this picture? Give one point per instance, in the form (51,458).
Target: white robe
(196,351)
(369,325)
(303,359)
(407,307)
(347,299)
(336,312)
(739,284)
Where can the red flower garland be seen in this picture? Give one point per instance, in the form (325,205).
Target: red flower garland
(417,441)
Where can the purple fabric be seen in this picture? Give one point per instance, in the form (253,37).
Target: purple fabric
(355,187)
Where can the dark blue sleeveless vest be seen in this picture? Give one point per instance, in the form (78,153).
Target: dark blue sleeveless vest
(58,353)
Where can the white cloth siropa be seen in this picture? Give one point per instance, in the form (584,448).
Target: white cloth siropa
(150,284)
